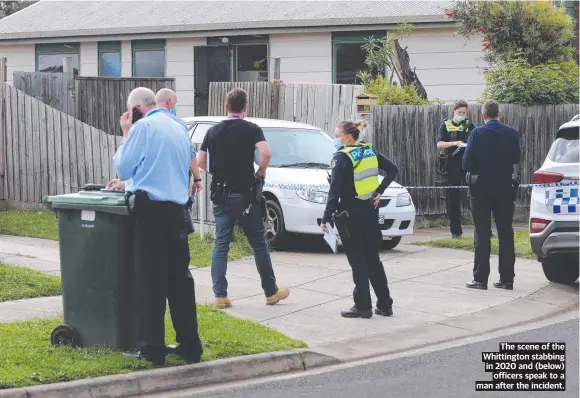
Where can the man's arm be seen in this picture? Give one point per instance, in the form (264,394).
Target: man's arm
(388,167)
(202,155)
(131,153)
(468,158)
(264,149)
(339,163)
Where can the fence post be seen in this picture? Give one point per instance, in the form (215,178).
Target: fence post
(276,89)
(3,131)
(68,70)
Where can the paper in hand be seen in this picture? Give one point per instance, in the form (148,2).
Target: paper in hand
(331,238)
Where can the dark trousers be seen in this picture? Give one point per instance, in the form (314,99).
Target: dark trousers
(227,211)
(496,200)
(453,199)
(362,252)
(162,268)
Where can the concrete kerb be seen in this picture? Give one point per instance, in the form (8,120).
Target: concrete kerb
(179,377)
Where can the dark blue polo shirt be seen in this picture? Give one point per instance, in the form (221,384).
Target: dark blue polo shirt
(492,150)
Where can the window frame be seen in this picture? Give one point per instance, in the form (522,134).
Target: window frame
(57,49)
(148,45)
(358,37)
(105,47)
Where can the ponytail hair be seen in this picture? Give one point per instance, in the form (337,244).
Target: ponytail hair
(353,128)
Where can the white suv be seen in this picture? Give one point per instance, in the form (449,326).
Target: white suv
(554,211)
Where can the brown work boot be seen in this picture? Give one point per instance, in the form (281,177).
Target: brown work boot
(222,302)
(281,294)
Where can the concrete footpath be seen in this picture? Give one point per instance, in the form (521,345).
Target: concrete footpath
(431,303)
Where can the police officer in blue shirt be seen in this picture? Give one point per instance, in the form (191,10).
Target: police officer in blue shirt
(157,156)
(491,160)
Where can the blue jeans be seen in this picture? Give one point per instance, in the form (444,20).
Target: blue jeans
(228,211)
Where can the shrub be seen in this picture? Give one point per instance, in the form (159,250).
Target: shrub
(533,30)
(521,83)
(391,94)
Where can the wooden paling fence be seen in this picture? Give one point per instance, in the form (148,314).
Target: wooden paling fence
(96,101)
(407,135)
(48,152)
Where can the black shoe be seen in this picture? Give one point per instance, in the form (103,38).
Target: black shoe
(504,285)
(476,285)
(457,236)
(158,361)
(355,313)
(387,312)
(187,355)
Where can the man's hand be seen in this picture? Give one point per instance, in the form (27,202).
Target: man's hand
(126,122)
(198,186)
(323,227)
(262,172)
(115,185)
(376,199)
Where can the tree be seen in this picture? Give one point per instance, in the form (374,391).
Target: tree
(533,30)
(386,52)
(10,7)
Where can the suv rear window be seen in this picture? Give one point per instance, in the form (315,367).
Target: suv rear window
(565,149)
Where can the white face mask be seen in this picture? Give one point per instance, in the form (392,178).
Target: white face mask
(459,118)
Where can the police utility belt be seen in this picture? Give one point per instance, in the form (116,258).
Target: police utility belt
(221,191)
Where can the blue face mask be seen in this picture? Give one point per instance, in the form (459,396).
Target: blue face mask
(173,111)
(337,143)
(459,118)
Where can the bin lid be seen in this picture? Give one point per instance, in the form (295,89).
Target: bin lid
(90,198)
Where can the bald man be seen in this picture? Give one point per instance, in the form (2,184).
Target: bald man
(165,101)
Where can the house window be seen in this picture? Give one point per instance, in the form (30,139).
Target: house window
(110,58)
(148,58)
(348,58)
(49,57)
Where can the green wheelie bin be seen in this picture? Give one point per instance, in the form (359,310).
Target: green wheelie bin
(97,270)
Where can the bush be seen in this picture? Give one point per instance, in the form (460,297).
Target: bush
(391,94)
(521,83)
(533,30)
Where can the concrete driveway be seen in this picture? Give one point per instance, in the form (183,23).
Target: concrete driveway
(427,285)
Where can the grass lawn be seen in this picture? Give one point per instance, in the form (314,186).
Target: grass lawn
(43,224)
(28,358)
(19,283)
(521,238)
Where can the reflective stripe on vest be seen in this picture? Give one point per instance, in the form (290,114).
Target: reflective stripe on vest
(366,169)
(452,128)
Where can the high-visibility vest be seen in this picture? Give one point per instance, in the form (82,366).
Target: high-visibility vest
(458,132)
(366,169)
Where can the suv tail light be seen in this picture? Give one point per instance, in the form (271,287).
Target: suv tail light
(546,177)
(537,225)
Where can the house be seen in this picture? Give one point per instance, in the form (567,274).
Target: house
(202,41)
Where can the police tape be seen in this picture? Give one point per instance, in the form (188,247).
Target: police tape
(325,188)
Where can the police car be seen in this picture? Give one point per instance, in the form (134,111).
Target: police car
(554,211)
(297,181)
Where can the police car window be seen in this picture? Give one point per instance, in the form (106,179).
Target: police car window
(290,146)
(199,132)
(565,149)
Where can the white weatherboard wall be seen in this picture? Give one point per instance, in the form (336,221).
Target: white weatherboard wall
(448,66)
(19,58)
(89,59)
(180,65)
(304,57)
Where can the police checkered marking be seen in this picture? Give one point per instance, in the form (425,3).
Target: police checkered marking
(562,200)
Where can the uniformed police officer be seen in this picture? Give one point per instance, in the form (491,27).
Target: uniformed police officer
(451,137)
(491,157)
(354,187)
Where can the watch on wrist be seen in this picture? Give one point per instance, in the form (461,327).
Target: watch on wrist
(197,180)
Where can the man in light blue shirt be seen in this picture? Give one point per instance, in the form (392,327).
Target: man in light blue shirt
(157,156)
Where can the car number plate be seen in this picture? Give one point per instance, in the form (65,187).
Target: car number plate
(381,219)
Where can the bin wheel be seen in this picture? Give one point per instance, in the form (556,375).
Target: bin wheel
(65,335)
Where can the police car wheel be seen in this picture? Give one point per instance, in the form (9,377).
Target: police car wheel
(561,269)
(390,244)
(274,225)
